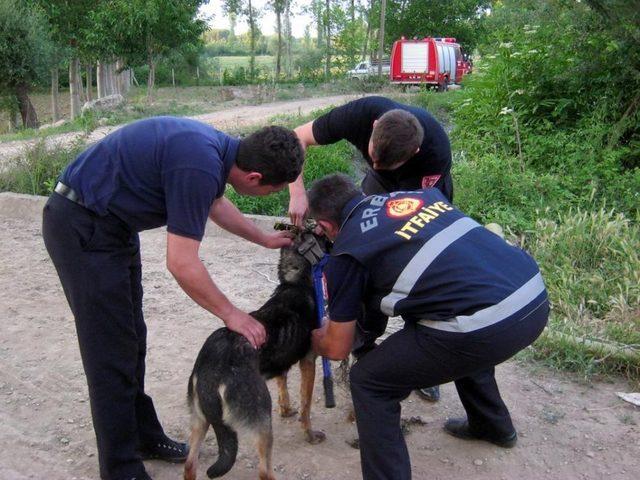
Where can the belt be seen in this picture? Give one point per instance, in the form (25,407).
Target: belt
(68,193)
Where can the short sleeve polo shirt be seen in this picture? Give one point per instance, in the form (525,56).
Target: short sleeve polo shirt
(155,172)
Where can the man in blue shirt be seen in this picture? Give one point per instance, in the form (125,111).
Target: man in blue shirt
(151,173)
(468,299)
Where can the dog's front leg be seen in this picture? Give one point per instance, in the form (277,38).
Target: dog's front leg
(308,374)
(284,404)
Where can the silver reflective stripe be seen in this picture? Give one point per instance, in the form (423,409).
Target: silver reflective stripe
(494,314)
(421,261)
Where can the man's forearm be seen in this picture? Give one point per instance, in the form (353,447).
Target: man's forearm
(225,214)
(334,340)
(296,188)
(196,282)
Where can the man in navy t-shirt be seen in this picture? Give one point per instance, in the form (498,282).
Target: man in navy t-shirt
(468,299)
(151,173)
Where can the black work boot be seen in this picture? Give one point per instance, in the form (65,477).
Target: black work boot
(459,427)
(166,450)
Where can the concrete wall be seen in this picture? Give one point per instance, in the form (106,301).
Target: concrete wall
(29,207)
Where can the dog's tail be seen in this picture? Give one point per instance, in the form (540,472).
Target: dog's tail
(227,450)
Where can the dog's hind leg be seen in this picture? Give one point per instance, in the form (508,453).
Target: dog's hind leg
(265,446)
(199,427)
(308,374)
(284,403)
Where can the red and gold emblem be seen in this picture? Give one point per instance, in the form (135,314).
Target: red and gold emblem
(403,207)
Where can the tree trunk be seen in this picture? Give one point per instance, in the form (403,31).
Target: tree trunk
(100,79)
(279,50)
(79,82)
(152,78)
(383,12)
(126,81)
(352,11)
(109,79)
(327,68)
(289,37)
(89,72)
(27,112)
(366,37)
(319,23)
(14,120)
(55,95)
(252,43)
(73,88)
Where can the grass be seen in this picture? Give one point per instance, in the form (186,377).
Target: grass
(179,101)
(37,171)
(243,61)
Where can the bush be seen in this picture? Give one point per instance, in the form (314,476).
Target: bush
(36,172)
(591,265)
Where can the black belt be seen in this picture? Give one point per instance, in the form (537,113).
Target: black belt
(68,193)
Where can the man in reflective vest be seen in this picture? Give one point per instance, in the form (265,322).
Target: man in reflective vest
(468,299)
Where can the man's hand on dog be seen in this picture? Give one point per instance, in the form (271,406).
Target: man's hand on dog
(278,239)
(247,326)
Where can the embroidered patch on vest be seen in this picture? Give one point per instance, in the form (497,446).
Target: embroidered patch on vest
(402,207)
(430,180)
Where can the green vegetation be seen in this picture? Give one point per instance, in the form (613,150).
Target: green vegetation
(37,171)
(546,142)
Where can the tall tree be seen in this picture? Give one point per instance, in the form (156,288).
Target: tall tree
(383,11)
(25,49)
(289,36)
(278,7)
(421,18)
(68,22)
(327,33)
(246,8)
(318,17)
(365,45)
(142,31)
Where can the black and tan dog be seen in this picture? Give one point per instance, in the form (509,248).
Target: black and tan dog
(227,388)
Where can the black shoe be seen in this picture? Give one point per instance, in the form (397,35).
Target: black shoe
(430,394)
(166,450)
(459,427)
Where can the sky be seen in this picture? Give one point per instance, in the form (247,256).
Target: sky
(267,20)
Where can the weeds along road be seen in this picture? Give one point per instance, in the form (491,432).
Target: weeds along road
(227,119)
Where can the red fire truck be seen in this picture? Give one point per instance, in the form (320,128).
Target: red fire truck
(432,61)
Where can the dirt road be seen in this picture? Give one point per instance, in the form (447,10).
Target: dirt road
(228,119)
(568,429)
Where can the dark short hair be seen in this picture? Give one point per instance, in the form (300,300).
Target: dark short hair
(396,137)
(275,152)
(329,195)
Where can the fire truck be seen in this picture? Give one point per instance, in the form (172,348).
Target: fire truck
(431,61)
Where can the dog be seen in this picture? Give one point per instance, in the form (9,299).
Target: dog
(227,388)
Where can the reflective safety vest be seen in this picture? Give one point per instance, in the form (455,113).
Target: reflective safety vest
(428,262)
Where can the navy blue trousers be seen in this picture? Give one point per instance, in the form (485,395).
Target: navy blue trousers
(98,262)
(418,357)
